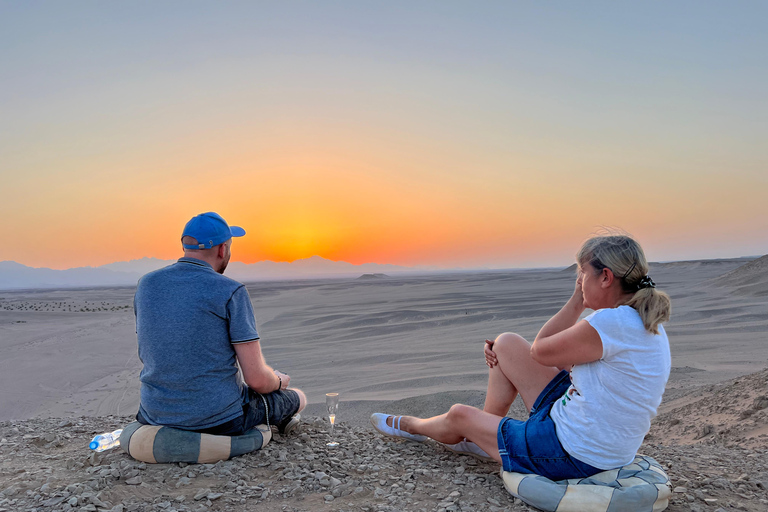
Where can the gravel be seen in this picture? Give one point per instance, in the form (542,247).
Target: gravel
(45,465)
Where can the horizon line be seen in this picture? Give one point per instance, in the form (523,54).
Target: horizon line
(430,267)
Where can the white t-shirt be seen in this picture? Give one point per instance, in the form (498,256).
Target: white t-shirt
(606,412)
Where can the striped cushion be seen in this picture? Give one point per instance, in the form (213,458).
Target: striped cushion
(155,444)
(641,486)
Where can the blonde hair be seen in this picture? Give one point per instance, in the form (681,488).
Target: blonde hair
(626,259)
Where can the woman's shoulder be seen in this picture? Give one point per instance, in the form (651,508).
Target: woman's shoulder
(619,317)
(626,313)
(626,321)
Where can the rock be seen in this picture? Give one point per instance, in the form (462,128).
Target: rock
(97,502)
(53,502)
(203,493)
(94,459)
(136,480)
(760,403)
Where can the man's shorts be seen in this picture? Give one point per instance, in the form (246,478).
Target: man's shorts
(282,405)
(278,406)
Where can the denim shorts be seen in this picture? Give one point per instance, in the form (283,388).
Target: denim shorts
(532,446)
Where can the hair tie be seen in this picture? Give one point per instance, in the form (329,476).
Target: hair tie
(645,282)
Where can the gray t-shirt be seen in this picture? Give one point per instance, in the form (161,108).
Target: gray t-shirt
(188,316)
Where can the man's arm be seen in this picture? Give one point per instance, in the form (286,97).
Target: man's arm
(258,375)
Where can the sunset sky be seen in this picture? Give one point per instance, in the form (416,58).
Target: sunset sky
(456,134)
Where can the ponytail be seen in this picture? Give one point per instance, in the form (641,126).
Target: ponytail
(653,306)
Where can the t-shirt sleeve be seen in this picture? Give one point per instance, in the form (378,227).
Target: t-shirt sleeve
(604,323)
(242,322)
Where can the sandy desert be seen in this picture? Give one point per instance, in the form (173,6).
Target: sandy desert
(69,369)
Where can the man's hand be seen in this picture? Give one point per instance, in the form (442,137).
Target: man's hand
(490,355)
(285,379)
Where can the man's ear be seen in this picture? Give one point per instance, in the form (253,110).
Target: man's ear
(222,250)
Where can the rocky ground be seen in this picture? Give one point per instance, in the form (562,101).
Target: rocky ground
(711,444)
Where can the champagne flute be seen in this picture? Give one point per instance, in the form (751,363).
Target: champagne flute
(332,404)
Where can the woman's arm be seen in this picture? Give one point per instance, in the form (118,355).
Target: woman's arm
(563,342)
(566,317)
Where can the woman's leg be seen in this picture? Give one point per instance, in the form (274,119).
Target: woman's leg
(461,421)
(516,372)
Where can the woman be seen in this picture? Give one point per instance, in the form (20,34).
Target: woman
(592,386)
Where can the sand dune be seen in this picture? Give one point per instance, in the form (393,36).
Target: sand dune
(408,345)
(74,352)
(749,279)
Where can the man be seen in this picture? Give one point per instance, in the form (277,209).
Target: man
(194,326)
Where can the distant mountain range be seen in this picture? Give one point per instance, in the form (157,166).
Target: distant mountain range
(15,276)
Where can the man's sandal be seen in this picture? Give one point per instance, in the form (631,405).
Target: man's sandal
(379,422)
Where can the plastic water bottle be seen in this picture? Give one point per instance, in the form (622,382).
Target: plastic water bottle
(106,441)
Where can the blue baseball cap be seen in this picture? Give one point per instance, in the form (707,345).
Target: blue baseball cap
(210,230)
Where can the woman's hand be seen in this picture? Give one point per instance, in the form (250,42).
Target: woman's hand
(490,355)
(577,299)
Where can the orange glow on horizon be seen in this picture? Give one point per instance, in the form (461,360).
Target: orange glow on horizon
(370,195)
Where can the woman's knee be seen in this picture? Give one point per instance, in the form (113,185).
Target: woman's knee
(471,422)
(509,342)
(459,413)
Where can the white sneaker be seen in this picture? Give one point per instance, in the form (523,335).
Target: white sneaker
(379,422)
(468,448)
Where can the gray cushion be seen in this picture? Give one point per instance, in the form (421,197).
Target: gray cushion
(155,444)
